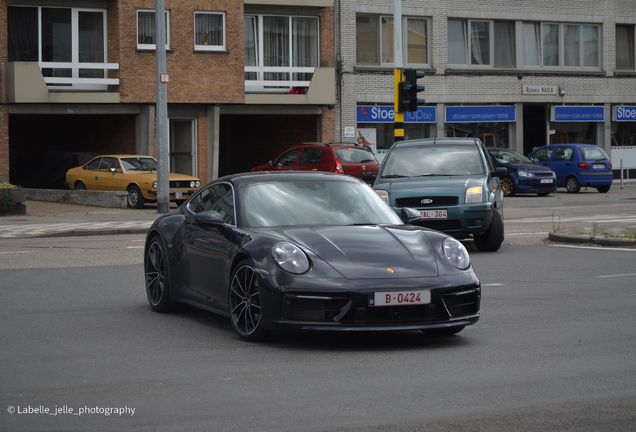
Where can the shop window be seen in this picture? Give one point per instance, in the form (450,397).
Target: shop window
(573,132)
(209,31)
(147,31)
(375,40)
(494,134)
(555,45)
(623,134)
(625,47)
(481,43)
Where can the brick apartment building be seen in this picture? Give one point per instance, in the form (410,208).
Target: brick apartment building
(247,79)
(518,74)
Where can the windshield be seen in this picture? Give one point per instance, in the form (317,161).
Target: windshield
(139,164)
(432,160)
(354,155)
(315,202)
(509,156)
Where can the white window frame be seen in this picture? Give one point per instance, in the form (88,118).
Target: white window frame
(404,41)
(633,46)
(152,47)
(221,47)
(467,25)
(561,65)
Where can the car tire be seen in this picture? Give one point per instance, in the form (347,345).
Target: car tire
(446,331)
(542,194)
(603,189)
(491,240)
(158,277)
(508,186)
(572,184)
(135,198)
(79,186)
(244,301)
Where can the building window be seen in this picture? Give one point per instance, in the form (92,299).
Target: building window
(146,30)
(375,40)
(478,43)
(625,51)
(554,45)
(281,53)
(69,43)
(209,31)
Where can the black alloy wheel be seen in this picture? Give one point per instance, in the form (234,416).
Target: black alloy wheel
(572,184)
(245,303)
(80,186)
(157,280)
(508,186)
(135,198)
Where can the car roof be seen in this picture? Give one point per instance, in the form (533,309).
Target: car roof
(123,156)
(269,176)
(332,144)
(438,141)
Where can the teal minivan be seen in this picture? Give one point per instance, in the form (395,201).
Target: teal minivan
(451,182)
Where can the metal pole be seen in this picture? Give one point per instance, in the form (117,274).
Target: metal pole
(163,161)
(621,173)
(398,117)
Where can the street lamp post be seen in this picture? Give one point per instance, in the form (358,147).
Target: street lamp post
(163,162)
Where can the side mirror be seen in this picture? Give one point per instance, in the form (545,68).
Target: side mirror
(500,172)
(368,177)
(409,215)
(210,217)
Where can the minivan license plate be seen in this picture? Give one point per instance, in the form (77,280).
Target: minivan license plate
(434,214)
(399,298)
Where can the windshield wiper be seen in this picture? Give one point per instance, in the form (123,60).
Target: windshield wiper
(429,175)
(395,176)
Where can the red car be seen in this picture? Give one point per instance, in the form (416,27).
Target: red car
(340,158)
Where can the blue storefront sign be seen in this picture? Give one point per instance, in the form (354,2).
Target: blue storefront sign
(563,113)
(385,114)
(480,114)
(626,113)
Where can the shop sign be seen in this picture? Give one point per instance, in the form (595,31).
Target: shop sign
(540,90)
(625,113)
(563,113)
(480,114)
(385,114)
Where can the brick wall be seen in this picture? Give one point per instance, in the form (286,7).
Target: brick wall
(195,77)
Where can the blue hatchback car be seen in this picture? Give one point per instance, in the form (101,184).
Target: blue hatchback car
(524,176)
(576,165)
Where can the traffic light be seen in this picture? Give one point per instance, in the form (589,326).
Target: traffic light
(408,90)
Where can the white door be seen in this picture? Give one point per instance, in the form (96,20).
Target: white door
(183,148)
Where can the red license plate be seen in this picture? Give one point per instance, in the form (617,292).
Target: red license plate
(434,214)
(399,298)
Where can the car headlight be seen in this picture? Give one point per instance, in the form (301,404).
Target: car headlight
(290,258)
(473,195)
(383,194)
(195,184)
(456,253)
(154,184)
(524,174)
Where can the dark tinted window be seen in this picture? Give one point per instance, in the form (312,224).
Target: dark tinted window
(311,156)
(289,158)
(219,198)
(354,155)
(542,155)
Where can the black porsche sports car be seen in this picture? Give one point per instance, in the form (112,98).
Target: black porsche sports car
(308,251)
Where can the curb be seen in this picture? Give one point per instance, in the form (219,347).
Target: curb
(89,232)
(581,238)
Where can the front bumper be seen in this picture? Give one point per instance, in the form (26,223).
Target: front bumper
(534,185)
(348,309)
(175,194)
(462,221)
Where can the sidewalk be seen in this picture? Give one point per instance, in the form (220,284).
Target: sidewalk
(48,219)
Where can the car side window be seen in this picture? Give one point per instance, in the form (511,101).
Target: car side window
(543,155)
(94,165)
(108,163)
(563,154)
(311,156)
(289,158)
(222,201)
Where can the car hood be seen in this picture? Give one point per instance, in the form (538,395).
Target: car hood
(370,251)
(446,185)
(528,167)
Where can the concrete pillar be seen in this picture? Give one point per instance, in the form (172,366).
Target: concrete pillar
(145,131)
(516,132)
(604,131)
(214,126)
(4,143)
(438,130)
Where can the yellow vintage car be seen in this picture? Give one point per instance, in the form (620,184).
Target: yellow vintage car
(136,174)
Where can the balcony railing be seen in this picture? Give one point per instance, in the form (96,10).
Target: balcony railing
(260,85)
(74,82)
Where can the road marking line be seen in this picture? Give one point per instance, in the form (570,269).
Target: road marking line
(493,284)
(134,247)
(17,252)
(596,248)
(617,275)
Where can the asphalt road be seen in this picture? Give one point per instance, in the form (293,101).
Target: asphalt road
(553,351)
